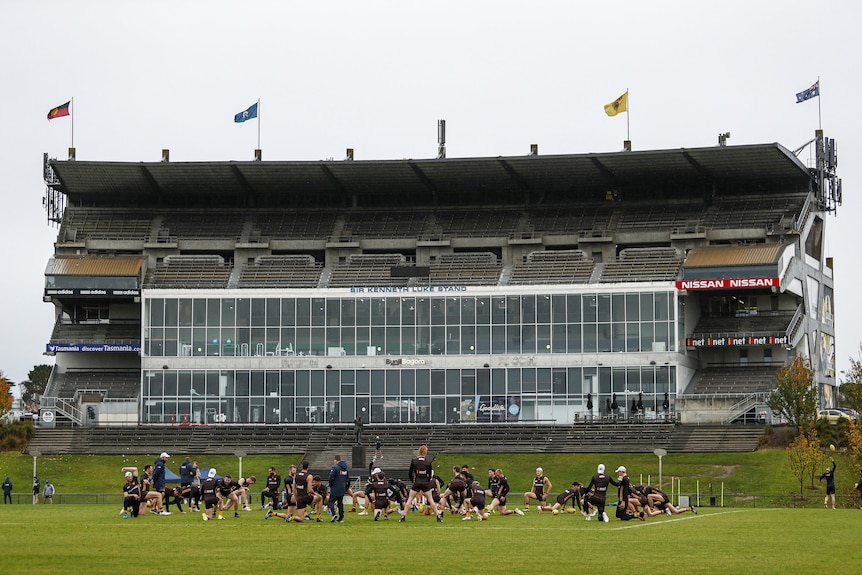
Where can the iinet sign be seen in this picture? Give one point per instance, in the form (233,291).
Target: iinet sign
(730,283)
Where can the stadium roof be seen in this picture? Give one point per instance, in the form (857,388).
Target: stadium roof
(86,265)
(503,176)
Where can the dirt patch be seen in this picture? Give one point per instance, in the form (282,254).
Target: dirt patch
(724,471)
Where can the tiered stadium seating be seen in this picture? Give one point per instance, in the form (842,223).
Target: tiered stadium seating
(367,269)
(115,383)
(752,211)
(643,264)
(96,333)
(104,224)
(385,224)
(660,217)
(565,220)
(735,379)
(187,271)
(483,223)
(763,323)
(281,271)
(479,268)
(553,267)
(293,225)
(205,226)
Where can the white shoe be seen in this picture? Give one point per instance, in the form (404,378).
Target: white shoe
(594,512)
(362,513)
(246,508)
(605,517)
(165,513)
(588,518)
(667,510)
(465,518)
(479,517)
(519,512)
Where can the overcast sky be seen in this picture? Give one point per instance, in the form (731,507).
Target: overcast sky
(376,76)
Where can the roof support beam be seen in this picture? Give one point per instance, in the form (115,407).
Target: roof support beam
(696,165)
(426,181)
(243,183)
(516,177)
(336,183)
(152,181)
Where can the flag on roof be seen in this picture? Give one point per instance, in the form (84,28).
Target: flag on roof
(60,111)
(248,114)
(618,106)
(811,92)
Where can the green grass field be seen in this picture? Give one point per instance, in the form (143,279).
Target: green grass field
(760,535)
(96,540)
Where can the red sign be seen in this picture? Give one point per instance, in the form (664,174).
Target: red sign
(728,283)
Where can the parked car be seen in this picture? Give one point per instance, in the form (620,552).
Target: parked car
(833,416)
(851,412)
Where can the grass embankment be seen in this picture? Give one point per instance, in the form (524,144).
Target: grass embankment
(764,473)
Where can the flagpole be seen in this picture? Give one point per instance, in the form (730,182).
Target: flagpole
(72,116)
(628,114)
(819,97)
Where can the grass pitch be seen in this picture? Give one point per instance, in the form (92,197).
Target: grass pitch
(95,539)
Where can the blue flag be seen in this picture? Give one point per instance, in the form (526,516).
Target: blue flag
(249,114)
(811,92)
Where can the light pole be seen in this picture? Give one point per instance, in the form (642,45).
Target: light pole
(35,453)
(240,455)
(661,453)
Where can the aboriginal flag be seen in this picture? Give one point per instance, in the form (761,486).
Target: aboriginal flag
(59,111)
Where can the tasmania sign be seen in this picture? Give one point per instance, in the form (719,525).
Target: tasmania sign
(728,283)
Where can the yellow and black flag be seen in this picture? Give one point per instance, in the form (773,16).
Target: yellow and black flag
(618,106)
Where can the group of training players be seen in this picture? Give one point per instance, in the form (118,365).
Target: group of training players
(150,491)
(430,494)
(633,501)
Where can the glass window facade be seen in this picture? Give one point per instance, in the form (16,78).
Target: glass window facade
(458,325)
(446,358)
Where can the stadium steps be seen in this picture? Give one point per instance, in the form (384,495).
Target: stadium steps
(715,438)
(598,270)
(320,443)
(506,275)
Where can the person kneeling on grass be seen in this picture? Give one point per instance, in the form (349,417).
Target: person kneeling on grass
(131,496)
(563,498)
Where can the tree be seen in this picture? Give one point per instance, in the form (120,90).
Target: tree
(795,397)
(805,456)
(5,398)
(851,387)
(37,380)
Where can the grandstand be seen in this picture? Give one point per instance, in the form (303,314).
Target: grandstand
(545,292)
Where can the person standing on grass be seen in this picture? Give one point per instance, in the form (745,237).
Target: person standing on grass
(48,494)
(159,477)
(210,495)
(829,476)
(339,479)
(37,488)
(421,471)
(7,491)
(598,487)
(859,486)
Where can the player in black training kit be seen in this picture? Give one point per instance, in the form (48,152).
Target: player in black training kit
(420,474)
(500,495)
(599,487)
